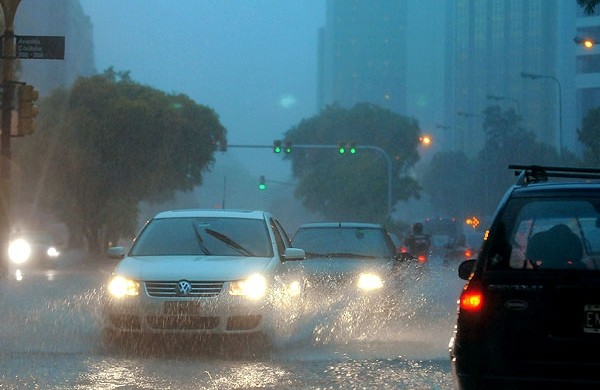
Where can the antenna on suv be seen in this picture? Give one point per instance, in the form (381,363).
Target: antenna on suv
(540,173)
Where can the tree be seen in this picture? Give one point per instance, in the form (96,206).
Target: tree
(107,144)
(589,135)
(589,6)
(449,179)
(354,186)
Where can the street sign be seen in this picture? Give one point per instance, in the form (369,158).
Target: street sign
(40,47)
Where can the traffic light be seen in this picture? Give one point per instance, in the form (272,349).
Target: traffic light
(27,110)
(349,148)
(288,147)
(261,183)
(352,148)
(277,146)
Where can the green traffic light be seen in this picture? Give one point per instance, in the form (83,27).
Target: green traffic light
(342,150)
(352,150)
(277,149)
(262,186)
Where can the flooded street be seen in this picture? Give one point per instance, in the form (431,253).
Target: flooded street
(50,338)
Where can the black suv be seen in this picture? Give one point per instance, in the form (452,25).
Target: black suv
(529,314)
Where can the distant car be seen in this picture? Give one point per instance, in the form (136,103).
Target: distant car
(467,247)
(344,257)
(529,314)
(199,272)
(33,249)
(445,235)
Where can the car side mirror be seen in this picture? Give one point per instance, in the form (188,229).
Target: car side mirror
(466,268)
(116,252)
(294,254)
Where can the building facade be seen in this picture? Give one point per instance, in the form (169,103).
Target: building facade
(362,54)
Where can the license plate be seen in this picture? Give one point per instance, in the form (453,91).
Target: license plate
(591,318)
(182,308)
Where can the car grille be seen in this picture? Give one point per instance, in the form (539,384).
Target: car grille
(167,289)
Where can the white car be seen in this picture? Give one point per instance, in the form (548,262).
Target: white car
(200,272)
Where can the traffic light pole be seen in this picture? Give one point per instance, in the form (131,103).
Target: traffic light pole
(9,7)
(377,149)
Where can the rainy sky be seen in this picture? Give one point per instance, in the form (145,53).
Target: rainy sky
(254,62)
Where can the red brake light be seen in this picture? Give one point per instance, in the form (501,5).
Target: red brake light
(471,300)
(422,258)
(403,250)
(468,253)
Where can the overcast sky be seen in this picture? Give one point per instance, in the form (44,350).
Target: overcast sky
(254,62)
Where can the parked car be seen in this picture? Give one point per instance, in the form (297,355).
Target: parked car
(36,248)
(200,272)
(529,314)
(343,257)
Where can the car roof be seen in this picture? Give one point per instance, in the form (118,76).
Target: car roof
(227,213)
(362,225)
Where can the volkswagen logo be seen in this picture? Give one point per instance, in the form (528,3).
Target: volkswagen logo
(184,287)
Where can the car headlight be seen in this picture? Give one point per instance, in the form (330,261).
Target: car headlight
(52,252)
(369,281)
(120,287)
(295,288)
(253,287)
(19,251)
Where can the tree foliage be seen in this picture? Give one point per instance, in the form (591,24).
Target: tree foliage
(354,186)
(460,186)
(588,5)
(107,144)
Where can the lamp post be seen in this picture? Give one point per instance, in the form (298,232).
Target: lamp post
(506,98)
(534,76)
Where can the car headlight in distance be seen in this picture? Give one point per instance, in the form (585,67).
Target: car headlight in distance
(369,281)
(120,287)
(253,287)
(52,252)
(19,251)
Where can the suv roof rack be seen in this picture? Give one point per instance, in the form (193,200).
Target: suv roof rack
(540,173)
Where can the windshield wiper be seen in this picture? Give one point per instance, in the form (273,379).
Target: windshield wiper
(227,240)
(200,241)
(316,254)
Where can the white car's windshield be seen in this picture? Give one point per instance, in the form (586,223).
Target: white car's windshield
(204,236)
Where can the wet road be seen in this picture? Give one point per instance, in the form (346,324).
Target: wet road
(50,338)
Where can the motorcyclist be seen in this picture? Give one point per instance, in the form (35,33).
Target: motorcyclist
(418,243)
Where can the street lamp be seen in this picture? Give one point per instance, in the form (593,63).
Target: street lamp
(500,98)
(534,76)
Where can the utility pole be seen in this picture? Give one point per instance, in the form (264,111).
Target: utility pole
(9,7)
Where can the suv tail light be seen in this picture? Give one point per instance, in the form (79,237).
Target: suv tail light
(471,299)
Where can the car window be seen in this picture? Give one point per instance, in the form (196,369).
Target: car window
(204,236)
(547,234)
(359,241)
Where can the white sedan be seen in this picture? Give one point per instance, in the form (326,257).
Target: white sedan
(200,272)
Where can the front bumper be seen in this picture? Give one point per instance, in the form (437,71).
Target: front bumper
(222,314)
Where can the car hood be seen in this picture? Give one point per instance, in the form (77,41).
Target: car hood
(221,268)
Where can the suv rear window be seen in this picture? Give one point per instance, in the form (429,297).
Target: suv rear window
(547,233)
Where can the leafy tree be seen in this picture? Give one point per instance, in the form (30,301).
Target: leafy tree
(354,186)
(460,186)
(107,144)
(589,135)
(448,179)
(588,5)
